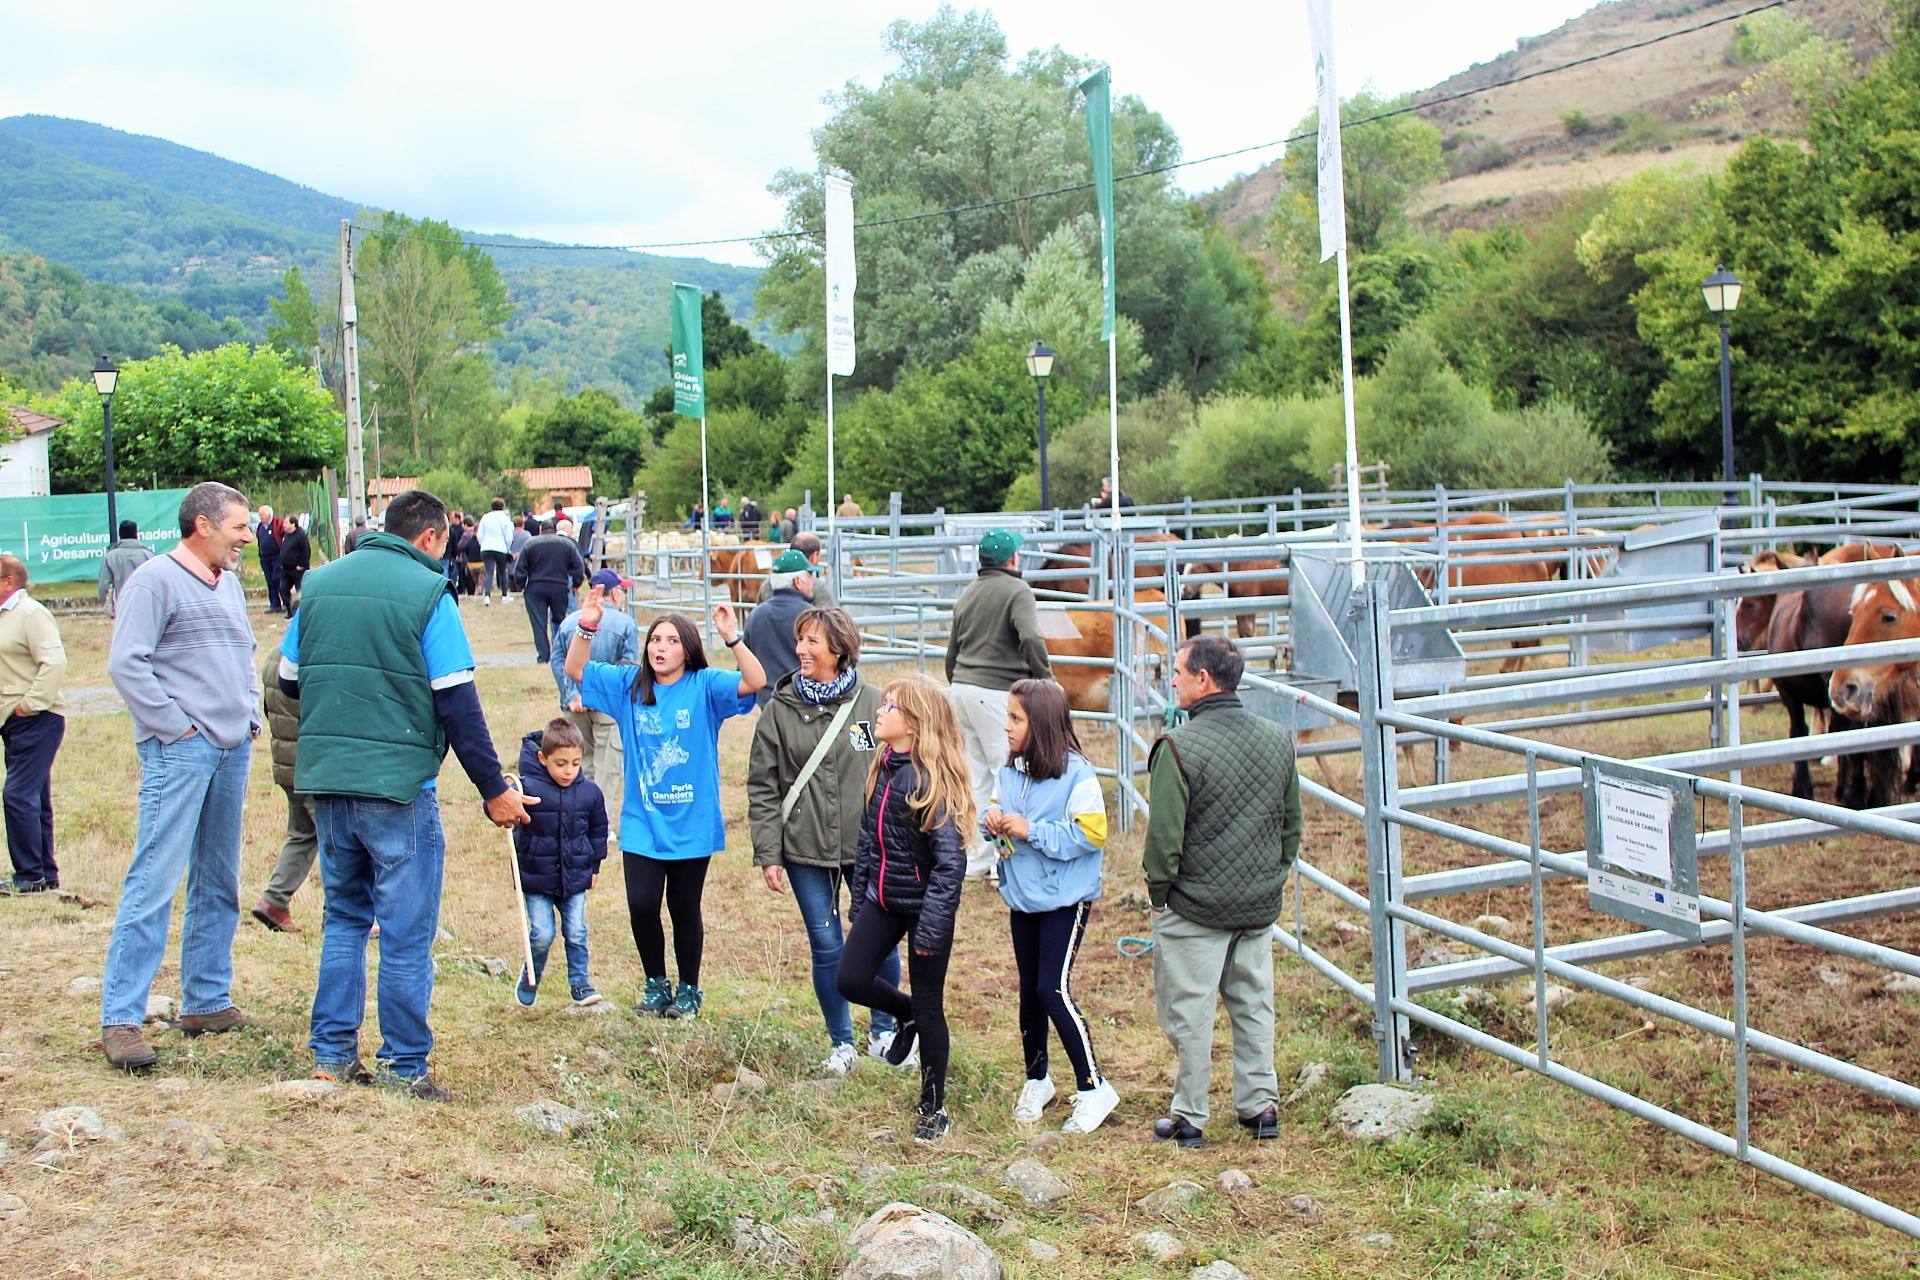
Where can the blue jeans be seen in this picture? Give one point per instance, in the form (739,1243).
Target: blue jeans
(571,915)
(816,891)
(191,793)
(382,862)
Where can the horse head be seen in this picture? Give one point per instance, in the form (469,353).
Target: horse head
(1885,693)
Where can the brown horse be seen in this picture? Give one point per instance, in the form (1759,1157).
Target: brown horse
(1273,584)
(1078,555)
(1884,694)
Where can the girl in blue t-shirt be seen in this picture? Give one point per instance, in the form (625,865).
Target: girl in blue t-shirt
(668,709)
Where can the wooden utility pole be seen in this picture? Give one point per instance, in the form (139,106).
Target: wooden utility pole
(350,346)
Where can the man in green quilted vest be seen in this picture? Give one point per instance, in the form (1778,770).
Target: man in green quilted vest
(384,676)
(1223,830)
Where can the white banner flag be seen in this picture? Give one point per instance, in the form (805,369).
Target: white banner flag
(840,276)
(1333,192)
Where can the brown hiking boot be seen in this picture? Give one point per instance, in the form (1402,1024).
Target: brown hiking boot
(421,1087)
(126,1048)
(202,1024)
(276,918)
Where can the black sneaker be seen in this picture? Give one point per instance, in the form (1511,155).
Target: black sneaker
(18,888)
(421,1087)
(1264,1126)
(1175,1129)
(930,1126)
(905,1036)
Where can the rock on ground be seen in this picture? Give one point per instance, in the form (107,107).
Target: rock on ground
(1310,1077)
(300,1090)
(1234,1180)
(1900,984)
(82,987)
(966,1202)
(1498,926)
(172,1087)
(1045,1142)
(765,1244)
(11,1206)
(1172,1198)
(160,1008)
(1162,1246)
(1037,1185)
(1041,1251)
(1219,1270)
(1305,1206)
(1379,1240)
(905,1242)
(556,1118)
(1382,1112)
(196,1144)
(1557,998)
(71,1124)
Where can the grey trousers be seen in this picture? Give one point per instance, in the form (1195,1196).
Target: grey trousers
(600,747)
(297,854)
(1195,969)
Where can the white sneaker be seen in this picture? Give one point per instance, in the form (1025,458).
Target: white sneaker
(507,598)
(487,600)
(843,1059)
(877,1047)
(1091,1107)
(1034,1097)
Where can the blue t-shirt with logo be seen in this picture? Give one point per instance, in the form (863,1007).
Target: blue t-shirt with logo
(671,809)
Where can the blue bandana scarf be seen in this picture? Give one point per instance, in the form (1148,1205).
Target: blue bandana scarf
(815,692)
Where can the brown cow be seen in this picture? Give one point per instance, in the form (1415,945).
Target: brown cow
(1884,694)
(1088,633)
(741,569)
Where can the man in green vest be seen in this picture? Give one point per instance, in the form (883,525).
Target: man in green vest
(1223,830)
(384,675)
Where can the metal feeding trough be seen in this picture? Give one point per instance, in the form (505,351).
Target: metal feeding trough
(1688,548)
(1326,635)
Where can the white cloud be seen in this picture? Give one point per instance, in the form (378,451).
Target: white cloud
(620,123)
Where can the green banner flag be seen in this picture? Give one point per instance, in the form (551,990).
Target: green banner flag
(1100,138)
(689,373)
(64,538)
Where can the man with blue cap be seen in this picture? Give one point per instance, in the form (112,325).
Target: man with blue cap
(995,640)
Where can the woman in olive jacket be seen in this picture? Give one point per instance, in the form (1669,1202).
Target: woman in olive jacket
(811,848)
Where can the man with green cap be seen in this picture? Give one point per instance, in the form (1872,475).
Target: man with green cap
(995,640)
(769,631)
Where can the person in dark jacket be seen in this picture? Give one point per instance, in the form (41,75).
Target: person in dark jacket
(770,631)
(473,563)
(907,873)
(1222,835)
(805,816)
(358,532)
(302,844)
(994,640)
(268,532)
(547,573)
(296,557)
(560,853)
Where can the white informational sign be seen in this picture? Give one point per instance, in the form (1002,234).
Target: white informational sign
(1332,183)
(1636,828)
(840,277)
(1642,848)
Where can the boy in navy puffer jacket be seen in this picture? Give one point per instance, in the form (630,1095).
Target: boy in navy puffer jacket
(560,853)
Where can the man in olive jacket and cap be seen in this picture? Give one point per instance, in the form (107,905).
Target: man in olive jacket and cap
(1222,834)
(303,841)
(995,640)
(806,821)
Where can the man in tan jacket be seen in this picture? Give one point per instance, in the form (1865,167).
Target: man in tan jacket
(33,665)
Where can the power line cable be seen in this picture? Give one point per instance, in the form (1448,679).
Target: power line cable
(983,205)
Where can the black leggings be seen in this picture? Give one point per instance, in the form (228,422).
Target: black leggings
(876,932)
(680,882)
(1045,944)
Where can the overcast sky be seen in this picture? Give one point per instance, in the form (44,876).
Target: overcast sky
(613,123)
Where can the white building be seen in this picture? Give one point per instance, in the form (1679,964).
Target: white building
(23,458)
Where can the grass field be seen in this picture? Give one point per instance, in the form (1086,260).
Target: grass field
(1518,1178)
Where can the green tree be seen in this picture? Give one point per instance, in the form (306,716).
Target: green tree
(293,321)
(230,414)
(592,428)
(425,298)
(1078,453)
(1385,165)
(746,457)
(1058,302)
(1247,446)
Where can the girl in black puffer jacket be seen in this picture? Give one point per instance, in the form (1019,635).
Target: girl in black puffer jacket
(560,851)
(907,873)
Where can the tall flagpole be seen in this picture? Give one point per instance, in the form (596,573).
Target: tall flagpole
(1098,90)
(690,401)
(1333,244)
(837,202)
(706,533)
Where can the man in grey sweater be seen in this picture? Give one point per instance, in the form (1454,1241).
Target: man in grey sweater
(995,640)
(182,659)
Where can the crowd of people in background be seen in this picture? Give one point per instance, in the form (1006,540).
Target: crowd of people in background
(871,806)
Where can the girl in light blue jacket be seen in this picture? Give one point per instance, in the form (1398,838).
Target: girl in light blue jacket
(1049,820)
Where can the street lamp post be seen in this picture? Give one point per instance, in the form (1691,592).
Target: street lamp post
(105,378)
(1722,290)
(1040,365)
